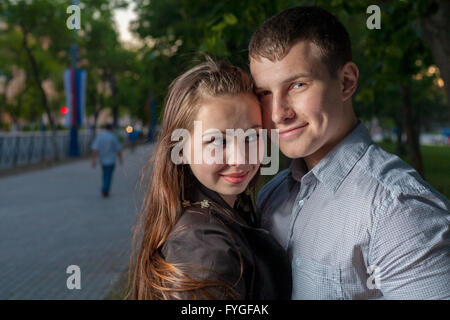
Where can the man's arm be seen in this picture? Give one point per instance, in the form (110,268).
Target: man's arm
(118,146)
(94,149)
(410,247)
(119,156)
(94,158)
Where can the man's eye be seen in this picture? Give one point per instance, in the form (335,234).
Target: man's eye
(297,85)
(262,94)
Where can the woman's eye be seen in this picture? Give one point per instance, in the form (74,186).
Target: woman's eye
(218,141)
(251,138)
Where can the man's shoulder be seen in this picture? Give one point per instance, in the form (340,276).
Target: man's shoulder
(392,177)
(102,135)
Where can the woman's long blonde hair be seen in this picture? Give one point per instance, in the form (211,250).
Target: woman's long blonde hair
(152,277)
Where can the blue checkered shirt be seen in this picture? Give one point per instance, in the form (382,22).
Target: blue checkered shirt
(361,224)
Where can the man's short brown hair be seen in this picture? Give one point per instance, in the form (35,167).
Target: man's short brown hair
(279,33)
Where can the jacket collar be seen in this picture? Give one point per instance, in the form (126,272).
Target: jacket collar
(242,211)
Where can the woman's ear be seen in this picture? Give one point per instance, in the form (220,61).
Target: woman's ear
(348,76)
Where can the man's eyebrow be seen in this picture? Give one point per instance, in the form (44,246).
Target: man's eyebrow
(290,79)
(256,126)
(297,76)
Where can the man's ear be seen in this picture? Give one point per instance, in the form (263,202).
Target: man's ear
(348,77)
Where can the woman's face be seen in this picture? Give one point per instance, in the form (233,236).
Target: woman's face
(227,166)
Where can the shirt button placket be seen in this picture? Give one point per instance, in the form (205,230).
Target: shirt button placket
(297,209)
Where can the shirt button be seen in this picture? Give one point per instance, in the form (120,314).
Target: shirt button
(300,203)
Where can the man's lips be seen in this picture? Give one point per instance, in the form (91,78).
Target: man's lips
(236,177)
(287,133)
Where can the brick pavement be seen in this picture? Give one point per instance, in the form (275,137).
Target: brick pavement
(56,217)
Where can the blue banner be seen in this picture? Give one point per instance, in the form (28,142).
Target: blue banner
(75,89)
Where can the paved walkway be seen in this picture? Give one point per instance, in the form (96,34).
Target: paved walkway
(56,217)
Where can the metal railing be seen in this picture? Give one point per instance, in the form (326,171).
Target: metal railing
(21,149)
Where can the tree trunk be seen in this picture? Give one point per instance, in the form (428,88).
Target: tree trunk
(93,102)
(434,32)
(37,79)
(412,134)
(399,146)
(3,100)
(115,106)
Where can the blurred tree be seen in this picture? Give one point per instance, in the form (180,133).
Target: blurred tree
(176,32)
(434,31)
(43,39)
(103,56)
(10,53)
(392,56)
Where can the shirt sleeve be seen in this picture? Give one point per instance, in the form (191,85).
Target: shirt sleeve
(410,252)
(209,254)
(94,145)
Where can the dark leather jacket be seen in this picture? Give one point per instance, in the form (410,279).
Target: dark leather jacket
(228,247)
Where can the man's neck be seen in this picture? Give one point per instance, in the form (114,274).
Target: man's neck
(313,159)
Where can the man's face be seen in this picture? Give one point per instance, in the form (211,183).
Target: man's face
(300,98)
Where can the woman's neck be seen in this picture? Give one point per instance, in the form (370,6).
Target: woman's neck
(230,199)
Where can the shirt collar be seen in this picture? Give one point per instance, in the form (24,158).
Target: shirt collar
(297,170)
(336,165)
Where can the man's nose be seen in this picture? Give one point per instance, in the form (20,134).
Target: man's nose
(281,110)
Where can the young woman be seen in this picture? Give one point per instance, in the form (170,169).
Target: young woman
(199,236)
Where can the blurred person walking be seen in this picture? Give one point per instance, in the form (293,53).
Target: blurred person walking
(105,146)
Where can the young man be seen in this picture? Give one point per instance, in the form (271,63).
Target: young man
(357,222)
(105,146)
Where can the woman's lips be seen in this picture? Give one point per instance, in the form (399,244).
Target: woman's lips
(283,134)
(235,178)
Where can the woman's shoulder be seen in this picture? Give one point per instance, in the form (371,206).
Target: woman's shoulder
(200,239)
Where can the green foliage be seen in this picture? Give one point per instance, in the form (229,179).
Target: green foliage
(33,29)
(176,34)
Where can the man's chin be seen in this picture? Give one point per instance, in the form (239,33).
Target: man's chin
(293,152)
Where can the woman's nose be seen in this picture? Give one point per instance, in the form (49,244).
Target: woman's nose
(235,152)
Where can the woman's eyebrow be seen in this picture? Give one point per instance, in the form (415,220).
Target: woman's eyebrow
(209,133)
